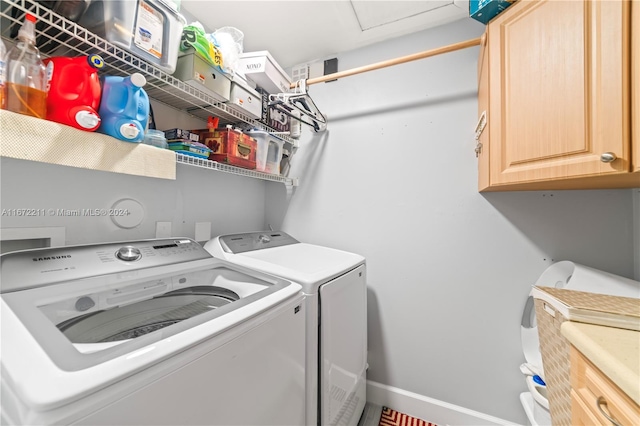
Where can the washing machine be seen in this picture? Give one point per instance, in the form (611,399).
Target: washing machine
(334,287)
(153,332)
(571,276)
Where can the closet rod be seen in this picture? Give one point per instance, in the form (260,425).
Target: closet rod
(396,61)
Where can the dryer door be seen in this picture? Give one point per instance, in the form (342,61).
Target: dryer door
(343,348)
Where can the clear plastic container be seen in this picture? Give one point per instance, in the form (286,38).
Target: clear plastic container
(26,74)
(155,138)
(268,152)
(150,29)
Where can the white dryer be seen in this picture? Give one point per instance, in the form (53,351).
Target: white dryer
(334,285)
(154,332)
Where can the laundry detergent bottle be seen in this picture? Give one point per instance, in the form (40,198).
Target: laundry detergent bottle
(124,108)
(74,91)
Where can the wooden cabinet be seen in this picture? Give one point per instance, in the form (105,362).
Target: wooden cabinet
(594,396)
(555,84)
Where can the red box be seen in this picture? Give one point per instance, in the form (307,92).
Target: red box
(230,147)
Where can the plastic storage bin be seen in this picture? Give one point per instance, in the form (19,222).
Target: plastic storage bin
(268,151)
(150,29)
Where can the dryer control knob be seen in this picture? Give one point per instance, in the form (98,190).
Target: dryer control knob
(128,253)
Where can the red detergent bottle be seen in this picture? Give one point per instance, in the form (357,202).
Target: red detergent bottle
(74,91)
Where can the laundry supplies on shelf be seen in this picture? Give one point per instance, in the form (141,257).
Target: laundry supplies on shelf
(26,75)
(74,91)
(124,108)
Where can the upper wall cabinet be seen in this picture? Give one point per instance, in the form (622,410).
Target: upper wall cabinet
(555,88)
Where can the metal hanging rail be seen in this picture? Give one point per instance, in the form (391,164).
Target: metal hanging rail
(312,116)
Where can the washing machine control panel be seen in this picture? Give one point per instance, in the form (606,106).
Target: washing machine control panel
(32,268)
(128,253)
(241,243)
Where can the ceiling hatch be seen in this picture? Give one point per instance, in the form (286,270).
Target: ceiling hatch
(374,14)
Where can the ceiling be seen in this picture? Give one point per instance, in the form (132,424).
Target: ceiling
(303,31)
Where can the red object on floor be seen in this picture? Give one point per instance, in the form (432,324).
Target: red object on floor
(391,417)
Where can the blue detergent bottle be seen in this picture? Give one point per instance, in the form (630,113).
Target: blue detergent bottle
(124,107)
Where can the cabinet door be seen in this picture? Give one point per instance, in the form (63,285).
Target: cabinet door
(635,84)
(559,90)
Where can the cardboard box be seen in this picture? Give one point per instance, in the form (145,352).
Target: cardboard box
(231,147)
(199,74)
(244,99)
(262,69)
(485,10)
(180,134)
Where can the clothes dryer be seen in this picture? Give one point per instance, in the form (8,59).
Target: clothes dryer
(334,285)
(154,332)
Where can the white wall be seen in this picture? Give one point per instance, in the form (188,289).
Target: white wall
(229,203)
(449,269)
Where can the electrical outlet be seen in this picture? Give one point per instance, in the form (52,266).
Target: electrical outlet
(163,229)
(203,231)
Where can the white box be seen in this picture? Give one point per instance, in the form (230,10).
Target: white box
(262,69)
(244,99)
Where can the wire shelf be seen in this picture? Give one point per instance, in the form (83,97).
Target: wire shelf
(213,165)
(64,37)
(75,40)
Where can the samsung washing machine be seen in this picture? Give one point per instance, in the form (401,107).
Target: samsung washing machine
(154,332)
(334,286)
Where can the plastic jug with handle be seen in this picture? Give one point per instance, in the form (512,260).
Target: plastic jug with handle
(124,108)
(74,91)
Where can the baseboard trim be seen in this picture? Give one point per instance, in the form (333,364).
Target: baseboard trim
(429,409)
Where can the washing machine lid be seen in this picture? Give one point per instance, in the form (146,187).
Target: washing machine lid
(96,321)
(279,254)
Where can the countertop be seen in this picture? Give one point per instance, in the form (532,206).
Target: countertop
(615,351)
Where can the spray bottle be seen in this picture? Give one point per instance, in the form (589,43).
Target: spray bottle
(26,74)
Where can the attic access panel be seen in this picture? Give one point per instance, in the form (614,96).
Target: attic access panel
(372,14)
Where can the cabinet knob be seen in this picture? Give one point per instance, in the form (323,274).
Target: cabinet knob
(605,411)
(608,157)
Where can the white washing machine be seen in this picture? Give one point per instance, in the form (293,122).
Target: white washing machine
(154,332)
(334,285)
(571,276)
